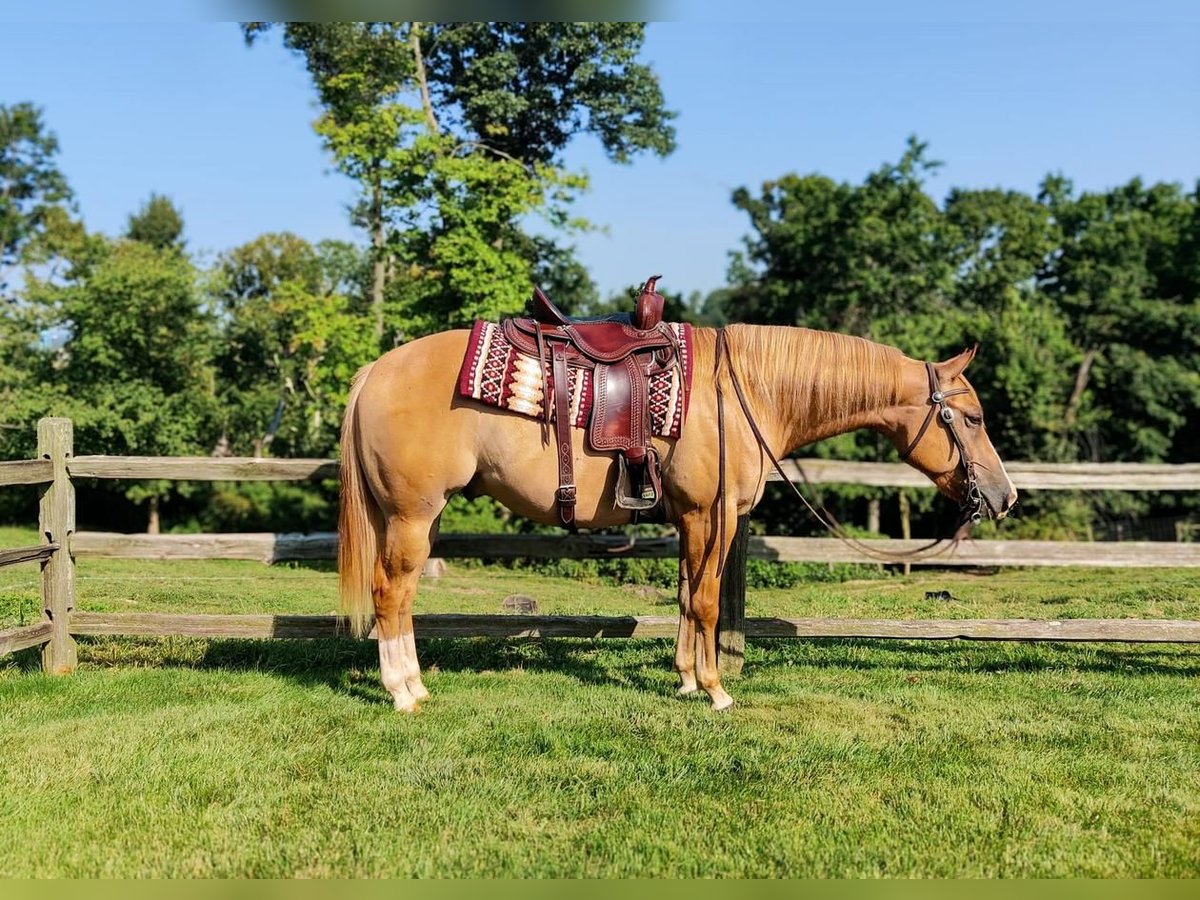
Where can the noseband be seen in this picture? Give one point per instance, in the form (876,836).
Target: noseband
(972,504)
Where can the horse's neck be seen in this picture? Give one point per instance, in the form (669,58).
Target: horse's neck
(807,385)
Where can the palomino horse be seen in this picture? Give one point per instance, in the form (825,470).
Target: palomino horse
(409,442)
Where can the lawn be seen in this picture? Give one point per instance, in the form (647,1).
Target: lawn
(181,757)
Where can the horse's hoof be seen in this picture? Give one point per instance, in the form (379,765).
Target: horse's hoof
(407,706)
(420,694)
(686,690)
(721,701)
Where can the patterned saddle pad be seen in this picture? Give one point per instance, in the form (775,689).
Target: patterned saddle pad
(494,372)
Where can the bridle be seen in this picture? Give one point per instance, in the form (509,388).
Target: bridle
(972,503)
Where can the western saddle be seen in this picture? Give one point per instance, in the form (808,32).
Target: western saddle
(622,351)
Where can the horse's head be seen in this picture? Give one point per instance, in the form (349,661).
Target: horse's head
(938,428)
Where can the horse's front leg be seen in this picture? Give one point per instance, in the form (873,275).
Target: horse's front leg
(701,552)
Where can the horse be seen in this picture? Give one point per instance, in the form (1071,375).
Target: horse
(409,442)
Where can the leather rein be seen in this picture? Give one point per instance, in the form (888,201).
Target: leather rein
(972,505)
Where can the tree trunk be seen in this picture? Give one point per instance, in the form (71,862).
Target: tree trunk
(873,515)
(379,265)
(1081,380)
(414,42)
(263,444)
(152,520)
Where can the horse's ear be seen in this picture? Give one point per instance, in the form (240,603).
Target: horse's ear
(953,367)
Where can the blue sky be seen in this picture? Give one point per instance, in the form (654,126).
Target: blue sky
(185,109)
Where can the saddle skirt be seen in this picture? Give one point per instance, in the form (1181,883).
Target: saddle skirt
(501,368)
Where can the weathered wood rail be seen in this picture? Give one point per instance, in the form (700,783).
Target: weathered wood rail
(269,548)
(26,471)
(1025,475)
(512,626)
(57,466)
(26,554)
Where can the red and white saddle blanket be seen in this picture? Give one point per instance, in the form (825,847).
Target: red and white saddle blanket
(496,373)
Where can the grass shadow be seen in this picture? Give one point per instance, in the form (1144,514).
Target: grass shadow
(27,661)
(631,663)
(351,667)
(990,657)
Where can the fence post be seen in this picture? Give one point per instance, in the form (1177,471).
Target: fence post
(731,626)
(57,524)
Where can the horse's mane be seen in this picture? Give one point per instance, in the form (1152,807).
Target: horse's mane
(833,375)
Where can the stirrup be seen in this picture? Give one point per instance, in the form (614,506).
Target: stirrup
(647,497)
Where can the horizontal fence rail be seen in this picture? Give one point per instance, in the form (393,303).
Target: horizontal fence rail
(26,471)
(26,554)
(512,626)
(24,637)
(202,468)
(266,547)
(1025,475)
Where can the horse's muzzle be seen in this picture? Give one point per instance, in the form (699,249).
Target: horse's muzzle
(998,499)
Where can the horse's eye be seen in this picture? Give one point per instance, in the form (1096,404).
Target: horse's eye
(973,421)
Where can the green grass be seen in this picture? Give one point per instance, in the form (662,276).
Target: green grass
(231,586)
(187,757)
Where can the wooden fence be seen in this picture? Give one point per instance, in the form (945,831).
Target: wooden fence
(62,544)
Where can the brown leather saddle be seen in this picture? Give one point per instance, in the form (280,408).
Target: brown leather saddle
(622,352)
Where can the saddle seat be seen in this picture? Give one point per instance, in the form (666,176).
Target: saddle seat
(646,314)
(622,353)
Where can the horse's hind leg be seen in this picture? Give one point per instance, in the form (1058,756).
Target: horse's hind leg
(406,546)
(685,643)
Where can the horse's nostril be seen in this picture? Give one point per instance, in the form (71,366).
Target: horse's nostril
(1009,500)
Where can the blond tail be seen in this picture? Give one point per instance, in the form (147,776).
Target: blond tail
(359,521)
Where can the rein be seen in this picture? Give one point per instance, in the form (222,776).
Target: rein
(937,400)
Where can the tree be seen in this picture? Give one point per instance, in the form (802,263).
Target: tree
(34,194)
(454,132)
(1126,277)
(291,341)
(843,256)
(158,223)
(134,365)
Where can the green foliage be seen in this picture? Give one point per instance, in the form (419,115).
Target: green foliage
(838,256)
(1127,277)
(529,87)
(483,515)
(762,574)
(133,316)
(34,194)
(454,133)
(131,361)
(266,506)
(664,573)
(290,343)
(557,272)
(158,223)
